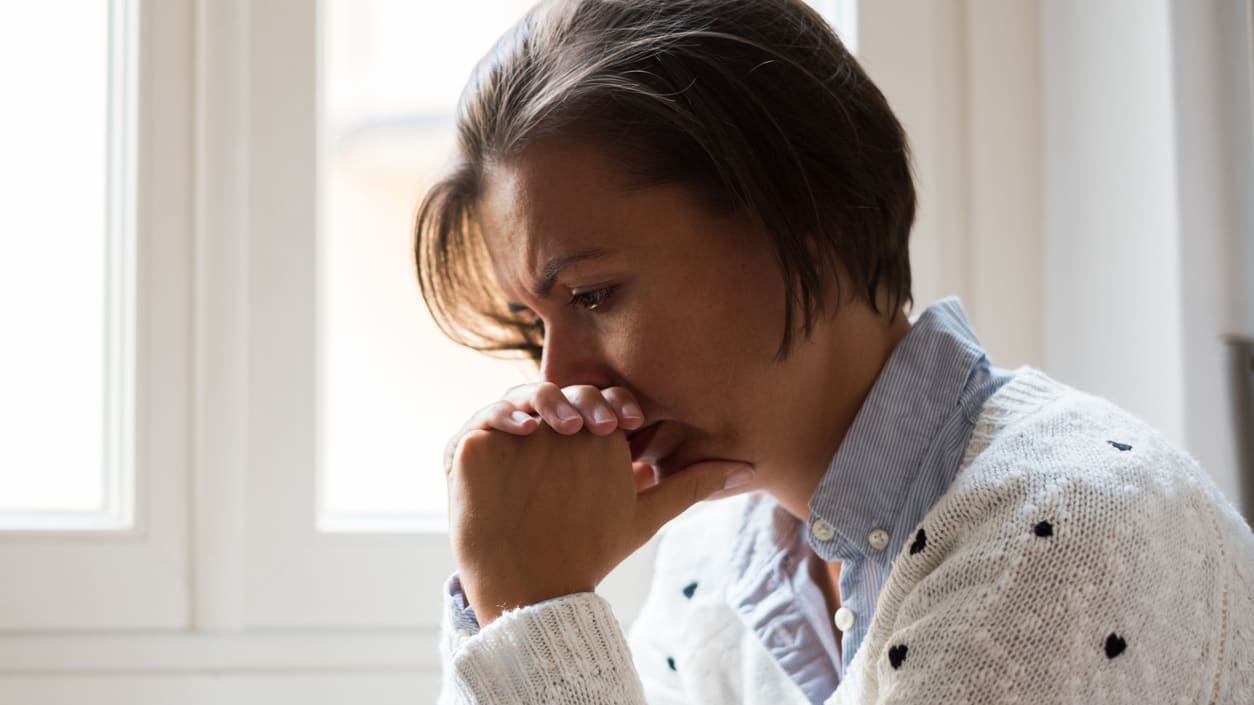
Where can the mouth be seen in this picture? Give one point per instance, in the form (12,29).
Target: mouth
(640,439)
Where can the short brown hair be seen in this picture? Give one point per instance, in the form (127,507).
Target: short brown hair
(755,104)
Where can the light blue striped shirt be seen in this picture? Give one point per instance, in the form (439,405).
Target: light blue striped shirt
(899,456)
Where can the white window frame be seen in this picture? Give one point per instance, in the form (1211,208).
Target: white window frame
(92,574)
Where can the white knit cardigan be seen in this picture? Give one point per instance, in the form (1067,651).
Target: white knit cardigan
(1076,558)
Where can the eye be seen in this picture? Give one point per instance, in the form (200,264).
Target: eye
(594,300)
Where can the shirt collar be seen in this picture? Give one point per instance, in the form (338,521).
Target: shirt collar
(926,379)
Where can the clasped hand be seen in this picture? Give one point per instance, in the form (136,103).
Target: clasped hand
(544,500)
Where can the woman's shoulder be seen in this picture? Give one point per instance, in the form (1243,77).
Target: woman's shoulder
(1074,536)
(1039,436)
(1067,488)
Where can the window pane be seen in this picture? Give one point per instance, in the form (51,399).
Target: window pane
(392,388)
(63,75)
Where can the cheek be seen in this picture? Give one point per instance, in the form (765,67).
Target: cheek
(701,362)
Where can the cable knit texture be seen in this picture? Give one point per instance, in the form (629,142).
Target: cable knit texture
(1076,558)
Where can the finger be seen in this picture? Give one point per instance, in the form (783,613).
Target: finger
(598,417)
(678,492)
(511,420)
(546,400)
(521,395)
(645,475)
(623,402)
(555,409)
(500,415)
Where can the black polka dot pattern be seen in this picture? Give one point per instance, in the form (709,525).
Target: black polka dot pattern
(896,655)
(1115,645)
(920,542)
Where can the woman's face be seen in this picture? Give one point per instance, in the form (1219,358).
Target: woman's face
(649,290)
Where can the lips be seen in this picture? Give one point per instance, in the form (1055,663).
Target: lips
(640,439)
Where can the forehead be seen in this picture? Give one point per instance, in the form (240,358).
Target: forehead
(556,200)
(561,198)
(552,197)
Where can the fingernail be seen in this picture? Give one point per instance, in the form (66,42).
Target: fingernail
(632,411)
(738,478)
(602,415)
(519,417)
(566,412)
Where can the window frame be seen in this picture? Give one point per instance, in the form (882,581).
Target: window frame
(108,572)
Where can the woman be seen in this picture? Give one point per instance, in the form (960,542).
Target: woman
(694,216)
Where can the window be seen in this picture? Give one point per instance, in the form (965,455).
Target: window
(393,387)
(95,304)
(67,265)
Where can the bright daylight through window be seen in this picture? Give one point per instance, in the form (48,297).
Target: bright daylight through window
(392,389)
(66,264)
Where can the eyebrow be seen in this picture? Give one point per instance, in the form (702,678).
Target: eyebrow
(548,273)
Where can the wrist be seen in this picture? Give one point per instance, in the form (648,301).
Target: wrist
(490,604)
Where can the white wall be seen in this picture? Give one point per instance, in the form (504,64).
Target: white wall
(962,76)
(1142,211)
(1214,146)
(1113,308)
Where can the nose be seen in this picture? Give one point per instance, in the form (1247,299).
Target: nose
(572,358)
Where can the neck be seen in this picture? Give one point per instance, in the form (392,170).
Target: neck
(845,367)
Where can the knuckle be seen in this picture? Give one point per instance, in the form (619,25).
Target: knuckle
(582,393)
(474,445)
(546,389)
(617,392)
(548,394)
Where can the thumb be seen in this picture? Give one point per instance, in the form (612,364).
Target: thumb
(674,494)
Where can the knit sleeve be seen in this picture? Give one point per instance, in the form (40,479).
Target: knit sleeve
(1102,582)
(569,650)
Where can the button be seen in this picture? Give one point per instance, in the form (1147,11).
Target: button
(845,619)
(822,530)
(878,539)
(463,633)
